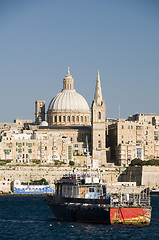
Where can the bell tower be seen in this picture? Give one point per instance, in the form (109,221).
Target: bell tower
(98,125)
(39,111)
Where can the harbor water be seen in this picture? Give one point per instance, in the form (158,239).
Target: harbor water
(29,217)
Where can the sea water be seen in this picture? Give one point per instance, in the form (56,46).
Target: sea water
(29,217)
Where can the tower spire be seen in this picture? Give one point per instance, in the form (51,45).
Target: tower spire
(98,91)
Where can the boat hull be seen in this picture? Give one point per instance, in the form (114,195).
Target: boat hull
(99,211)
(130,215)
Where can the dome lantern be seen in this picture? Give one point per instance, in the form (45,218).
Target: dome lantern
(68,81)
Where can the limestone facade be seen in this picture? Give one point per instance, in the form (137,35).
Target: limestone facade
(133,139)
(46,145)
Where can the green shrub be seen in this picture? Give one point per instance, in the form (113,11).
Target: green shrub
(71,163)
(36,161)
(139,162)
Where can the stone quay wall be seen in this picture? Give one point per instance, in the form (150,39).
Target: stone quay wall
(142,175)
(28,173)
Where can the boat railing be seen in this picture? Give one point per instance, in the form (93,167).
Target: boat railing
(131,201)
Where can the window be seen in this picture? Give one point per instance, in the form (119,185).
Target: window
(138,127)
(73,118)
(156,133)
(91,189)
(55,118)
(77,119)
(68,118)
(70,152)
(59,118)
(139,151)
(99,144)
(19,150)
(122,127)
(99,115)
(81,119)
(64,118)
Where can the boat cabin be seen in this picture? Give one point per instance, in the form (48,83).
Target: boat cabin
(75,186)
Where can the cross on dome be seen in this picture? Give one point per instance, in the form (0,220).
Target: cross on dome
(68,71)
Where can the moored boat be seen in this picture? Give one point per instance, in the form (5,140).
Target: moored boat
(85,199)
(19,188)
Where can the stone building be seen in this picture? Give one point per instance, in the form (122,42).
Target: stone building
(68,133)
(133,139)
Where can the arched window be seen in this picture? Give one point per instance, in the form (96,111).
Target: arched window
(68,118)
(85,119)
(59,118)
(55,118)
(73,118)
(77,119)
(81,119)
(64,118)
(99,115)
(99,144)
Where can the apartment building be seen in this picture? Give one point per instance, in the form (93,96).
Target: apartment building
(133,139)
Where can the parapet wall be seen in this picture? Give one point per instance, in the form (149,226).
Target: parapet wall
(28,173)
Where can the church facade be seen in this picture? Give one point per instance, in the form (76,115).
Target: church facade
(69,116)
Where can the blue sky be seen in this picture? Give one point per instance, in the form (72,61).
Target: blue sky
(39,39)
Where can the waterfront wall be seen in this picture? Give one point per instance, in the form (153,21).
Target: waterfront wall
(28,173)
(142,175)
(150,176)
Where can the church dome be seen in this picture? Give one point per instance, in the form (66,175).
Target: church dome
(44,124)
(69,101)
(68,107)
